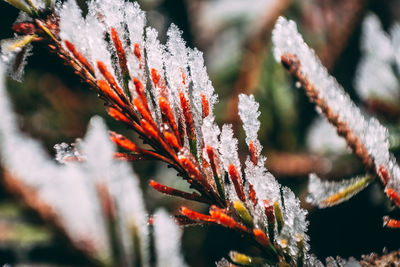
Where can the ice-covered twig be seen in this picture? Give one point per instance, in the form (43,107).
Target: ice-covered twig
(293,65)
(366,137)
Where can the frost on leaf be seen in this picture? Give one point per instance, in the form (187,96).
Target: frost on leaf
(329,193)
(228,147)
(248,112)
(167,241)
(371,134)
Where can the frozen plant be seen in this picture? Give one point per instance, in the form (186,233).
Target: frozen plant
(117,56)
(365,136)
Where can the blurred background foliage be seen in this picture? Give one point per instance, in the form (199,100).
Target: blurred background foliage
(54,106)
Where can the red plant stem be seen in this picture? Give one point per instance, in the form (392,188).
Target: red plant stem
(261,238)
(383,173)
(172,140)
(166,111)
(118,115)
(106,89)
(237,182)
(223,219)
(393,195)
(140,91)
(391,223)
(79,56)
(158,82)
(132,157)
(120,52)
(143,111)
(178,193)
(252,195)
(211,157)
(205,105)
(136,52)
(253,153)
(149,129)
(195,216)
(110,79)
(124,142)
(188,116)
(269,211)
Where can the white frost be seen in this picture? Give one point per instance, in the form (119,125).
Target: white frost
(167,241)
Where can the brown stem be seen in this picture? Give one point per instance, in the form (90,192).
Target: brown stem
(293,65)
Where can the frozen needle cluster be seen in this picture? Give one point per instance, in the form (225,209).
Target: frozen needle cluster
(113,51)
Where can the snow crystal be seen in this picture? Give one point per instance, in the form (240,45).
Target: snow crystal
(201,82)
(295,222)
(176,61)
(155,54)
(228,148)
(372,134)
(167,241)
(66,152)
(136,22)
(248,112)
(210,132)
(223,263)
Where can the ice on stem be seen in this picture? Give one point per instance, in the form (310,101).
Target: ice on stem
(370,132)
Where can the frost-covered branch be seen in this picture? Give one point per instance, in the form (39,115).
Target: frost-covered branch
(366,137)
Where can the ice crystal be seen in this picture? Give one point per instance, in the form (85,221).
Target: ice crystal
(371,133)
(248,112)
(228,147)
(167,241)
(67,152)
(201,82)
(339,262)
(375,77)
